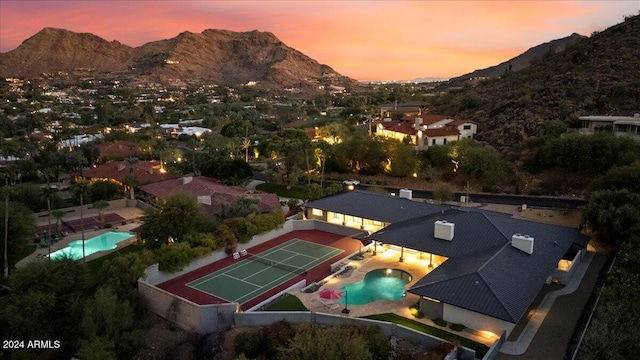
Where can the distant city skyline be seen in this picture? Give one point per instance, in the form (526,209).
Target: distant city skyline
(365,40)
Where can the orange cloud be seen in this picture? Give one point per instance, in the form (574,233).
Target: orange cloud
(366,40)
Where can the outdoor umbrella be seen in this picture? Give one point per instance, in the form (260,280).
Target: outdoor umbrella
(330,293)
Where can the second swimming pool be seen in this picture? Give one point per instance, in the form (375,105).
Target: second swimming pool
(106,241)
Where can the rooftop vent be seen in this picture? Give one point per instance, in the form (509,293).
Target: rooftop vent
(121,166)
(523,243)
(443,230)
(406,193)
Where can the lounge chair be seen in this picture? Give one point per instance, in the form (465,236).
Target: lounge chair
(330,304)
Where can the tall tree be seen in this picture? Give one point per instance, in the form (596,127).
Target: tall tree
(81,190)
(100,206)
(49,194)
(58,215)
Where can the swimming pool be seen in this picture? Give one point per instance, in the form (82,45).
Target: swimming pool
(379,284)
(106,241)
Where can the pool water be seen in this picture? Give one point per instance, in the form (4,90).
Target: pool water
(379,284)
(106,241)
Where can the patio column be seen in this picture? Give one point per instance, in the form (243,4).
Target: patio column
(375,248)
(401,254)
(430,260)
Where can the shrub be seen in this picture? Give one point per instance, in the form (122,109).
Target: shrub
(251,344)
(440,322)
(173,257)
(457,327)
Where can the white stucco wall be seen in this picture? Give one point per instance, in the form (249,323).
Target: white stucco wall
(477,321)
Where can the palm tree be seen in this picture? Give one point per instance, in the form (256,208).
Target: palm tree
(81,189)
(131,181)
(101,205)
(246,144)
(6,225)
(58,214)
(49,194)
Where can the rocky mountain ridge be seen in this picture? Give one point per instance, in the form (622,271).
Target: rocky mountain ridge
(525,59)
(599,75)
(213,56)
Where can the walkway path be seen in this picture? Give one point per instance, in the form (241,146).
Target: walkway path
(551,327)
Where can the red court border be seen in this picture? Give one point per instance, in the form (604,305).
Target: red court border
(178,286)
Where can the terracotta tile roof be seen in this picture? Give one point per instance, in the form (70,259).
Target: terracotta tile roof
(445,131)
(428,119)
(209,190)
(118,149)
(460,122)
(404,127)
(146,172)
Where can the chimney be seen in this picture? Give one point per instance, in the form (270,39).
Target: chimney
(406,193)
(443,230)
(523,243)
(418,123)
(187,179)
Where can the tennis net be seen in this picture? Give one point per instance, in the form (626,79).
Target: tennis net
(277,264)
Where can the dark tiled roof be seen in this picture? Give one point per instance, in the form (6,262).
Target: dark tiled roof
(369,205)
(484,272)
(499,280)
(472,232)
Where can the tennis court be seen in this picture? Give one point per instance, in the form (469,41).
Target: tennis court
(253,275)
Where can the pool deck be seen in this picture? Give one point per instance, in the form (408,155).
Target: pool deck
(383,260)
(130,214)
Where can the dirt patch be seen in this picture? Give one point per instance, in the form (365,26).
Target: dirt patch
(162,342)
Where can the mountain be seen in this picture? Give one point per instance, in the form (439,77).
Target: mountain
(599,75)
(213,56)
(525,59)
(53,50)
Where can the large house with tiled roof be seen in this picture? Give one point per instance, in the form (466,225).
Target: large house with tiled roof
(143,172)
(208,192)
(487,267)
(425,130)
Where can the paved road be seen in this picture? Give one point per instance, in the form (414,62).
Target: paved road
(550,342)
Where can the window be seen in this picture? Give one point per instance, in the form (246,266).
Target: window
(316,212)
(377,223)
(467,127)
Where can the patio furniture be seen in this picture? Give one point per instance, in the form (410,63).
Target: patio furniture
(236,255)
(330,304)
(243,252)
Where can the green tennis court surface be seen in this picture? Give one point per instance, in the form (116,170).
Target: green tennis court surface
(251,276)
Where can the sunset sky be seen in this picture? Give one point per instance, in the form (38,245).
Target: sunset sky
(366,40)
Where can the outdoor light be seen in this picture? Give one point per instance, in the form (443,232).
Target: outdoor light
(346,303)
(350,187)
(388,271)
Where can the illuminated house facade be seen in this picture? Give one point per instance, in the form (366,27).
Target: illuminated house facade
(426,130)
(487,268)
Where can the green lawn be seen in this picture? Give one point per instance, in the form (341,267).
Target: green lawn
(480,349)
(96,264)
(296,192)
(288,303)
